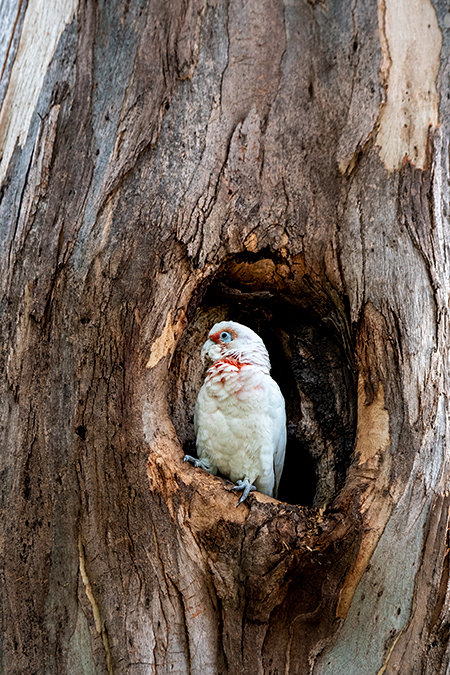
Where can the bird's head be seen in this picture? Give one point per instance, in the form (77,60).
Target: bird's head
(235,342)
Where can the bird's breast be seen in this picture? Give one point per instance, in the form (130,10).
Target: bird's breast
(239,415)
(229,378)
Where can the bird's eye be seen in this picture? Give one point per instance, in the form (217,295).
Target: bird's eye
(225,336)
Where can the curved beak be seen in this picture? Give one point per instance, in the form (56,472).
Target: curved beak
(205,350)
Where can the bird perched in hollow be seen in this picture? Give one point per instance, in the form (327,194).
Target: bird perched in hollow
(240,418)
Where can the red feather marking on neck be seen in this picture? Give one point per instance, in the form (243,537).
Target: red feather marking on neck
(228,361)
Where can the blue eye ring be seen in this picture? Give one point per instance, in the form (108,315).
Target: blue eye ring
(225,336)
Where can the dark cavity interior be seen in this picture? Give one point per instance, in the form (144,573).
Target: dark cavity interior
(311,364)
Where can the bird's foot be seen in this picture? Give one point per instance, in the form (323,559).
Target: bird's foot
(246,488)
(202,463)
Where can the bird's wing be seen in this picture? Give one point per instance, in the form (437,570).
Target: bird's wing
(278,458)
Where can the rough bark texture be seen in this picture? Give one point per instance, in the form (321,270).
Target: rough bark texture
(168,164)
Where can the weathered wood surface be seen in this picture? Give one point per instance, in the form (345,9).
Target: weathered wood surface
(164,164)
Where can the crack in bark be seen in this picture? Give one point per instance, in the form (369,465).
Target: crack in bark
(18,218)
(227,32)
(13,31)
(185,624)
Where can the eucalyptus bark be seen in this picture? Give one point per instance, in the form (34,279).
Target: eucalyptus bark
(165,165)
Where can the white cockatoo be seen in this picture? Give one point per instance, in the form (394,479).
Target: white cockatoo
(240,418)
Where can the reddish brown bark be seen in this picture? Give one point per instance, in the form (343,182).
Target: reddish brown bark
(188,162)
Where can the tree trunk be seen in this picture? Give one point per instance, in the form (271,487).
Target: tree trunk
(168,164)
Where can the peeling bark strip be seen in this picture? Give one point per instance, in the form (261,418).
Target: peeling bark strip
(373,463)
(164,345)
(411,42)
(95,608)
(42,28)
(167,165)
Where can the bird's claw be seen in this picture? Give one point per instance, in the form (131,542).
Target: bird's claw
(196,462)
(246,488)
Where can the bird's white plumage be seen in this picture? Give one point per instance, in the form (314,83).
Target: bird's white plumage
(240,419)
